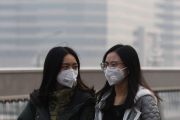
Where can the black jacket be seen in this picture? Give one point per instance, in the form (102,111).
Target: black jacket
(81,107)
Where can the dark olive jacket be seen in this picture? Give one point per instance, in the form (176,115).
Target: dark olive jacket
(81,107)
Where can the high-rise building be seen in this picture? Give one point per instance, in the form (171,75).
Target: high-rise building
(28,29)
(169,25)
(151,27)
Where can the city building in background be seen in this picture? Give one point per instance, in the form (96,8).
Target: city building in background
(29,29)
(169,15)
(152,27)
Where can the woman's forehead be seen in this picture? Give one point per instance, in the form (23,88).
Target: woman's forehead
(69,59)
(113,56)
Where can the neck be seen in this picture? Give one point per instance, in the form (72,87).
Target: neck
(59,86)
(121,89)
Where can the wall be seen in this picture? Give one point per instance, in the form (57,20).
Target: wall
(24,81)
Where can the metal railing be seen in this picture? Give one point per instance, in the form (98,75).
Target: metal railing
(11,107)
(170,106)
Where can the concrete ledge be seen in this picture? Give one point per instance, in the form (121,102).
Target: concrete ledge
(23,81)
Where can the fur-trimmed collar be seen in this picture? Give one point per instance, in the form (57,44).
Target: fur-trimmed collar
(143,92)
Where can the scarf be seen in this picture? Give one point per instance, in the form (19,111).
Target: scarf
(60,100)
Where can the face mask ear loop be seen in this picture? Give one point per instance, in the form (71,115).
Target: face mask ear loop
(126,75)
(124,69)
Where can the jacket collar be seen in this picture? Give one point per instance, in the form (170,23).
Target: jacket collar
(143,92)
(80,98)
(102,102)
(136,114)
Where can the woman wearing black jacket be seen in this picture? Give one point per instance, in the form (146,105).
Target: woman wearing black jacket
(62,94)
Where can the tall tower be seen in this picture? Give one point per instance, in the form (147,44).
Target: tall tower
(170,31)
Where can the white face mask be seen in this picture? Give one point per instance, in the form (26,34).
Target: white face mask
(114,75)
(67,77)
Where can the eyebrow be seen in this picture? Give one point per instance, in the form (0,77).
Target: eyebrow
(114,61)
(111,61)
(69,64)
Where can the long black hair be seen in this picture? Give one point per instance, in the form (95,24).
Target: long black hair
(52,67)
(135,78)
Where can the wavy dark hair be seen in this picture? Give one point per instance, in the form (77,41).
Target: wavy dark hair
(135,78)
(52,67)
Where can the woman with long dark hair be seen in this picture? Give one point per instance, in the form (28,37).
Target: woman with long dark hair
(62,94)
(126,95)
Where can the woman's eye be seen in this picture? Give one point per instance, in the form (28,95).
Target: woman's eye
(75,67)
(113,64)
(65,67)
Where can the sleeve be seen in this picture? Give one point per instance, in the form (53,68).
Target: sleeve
(28,113)
(88,112)
(149,109)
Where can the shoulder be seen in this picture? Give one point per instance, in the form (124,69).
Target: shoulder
(148,108)
(81,96)
(146,100)
(34,98)
(34,94)
(144,93)
(82,93)
(28,113)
